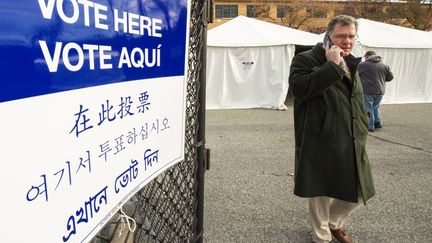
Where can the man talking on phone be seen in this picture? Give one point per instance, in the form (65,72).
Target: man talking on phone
(332,168)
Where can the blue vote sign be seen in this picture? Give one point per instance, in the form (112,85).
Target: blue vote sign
(50,46)
(92,97)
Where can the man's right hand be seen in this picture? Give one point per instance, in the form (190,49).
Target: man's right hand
(334,53)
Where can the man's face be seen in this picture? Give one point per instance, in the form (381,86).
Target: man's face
(344,37)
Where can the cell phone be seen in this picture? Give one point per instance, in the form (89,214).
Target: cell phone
(327,41)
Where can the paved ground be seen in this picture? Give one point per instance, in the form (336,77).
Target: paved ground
(248,190)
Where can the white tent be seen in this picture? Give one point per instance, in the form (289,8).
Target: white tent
(408,52)
(248,63)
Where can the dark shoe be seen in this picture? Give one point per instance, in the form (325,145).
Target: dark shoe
(341,235)
(371,130)
(378,125)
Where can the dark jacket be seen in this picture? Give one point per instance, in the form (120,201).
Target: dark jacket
(330,129)
(374,74)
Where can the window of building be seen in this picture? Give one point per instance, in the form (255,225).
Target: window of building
(282,11)
(315,12)
(254,11)
(226,11)
(251,11)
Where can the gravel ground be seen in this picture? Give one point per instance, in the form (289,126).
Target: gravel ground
(248,189)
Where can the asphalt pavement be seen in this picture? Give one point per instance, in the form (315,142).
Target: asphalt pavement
(249,187)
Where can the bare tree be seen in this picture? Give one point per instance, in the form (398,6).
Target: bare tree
(368,9)
(414,13)
(290,13)
(300,14)
(419,14)
(294,15)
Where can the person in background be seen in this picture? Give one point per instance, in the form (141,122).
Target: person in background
(374,74)
(332,168)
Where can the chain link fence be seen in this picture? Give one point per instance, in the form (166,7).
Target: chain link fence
(169,208)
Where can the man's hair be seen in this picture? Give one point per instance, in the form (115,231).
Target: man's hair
(369,53)
(344,20)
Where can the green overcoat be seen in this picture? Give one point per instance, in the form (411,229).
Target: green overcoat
(331,127)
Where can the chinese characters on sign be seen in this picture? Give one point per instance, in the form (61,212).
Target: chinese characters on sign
(108,113)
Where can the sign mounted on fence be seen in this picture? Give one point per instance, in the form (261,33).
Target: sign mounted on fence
(92,104)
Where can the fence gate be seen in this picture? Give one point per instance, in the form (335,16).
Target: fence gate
(170,207)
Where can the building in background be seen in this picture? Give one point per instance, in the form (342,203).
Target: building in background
(313,15)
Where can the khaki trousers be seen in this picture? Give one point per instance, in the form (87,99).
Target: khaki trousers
(329,213)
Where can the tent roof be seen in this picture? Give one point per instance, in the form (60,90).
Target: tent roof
(377,34)
(243,31)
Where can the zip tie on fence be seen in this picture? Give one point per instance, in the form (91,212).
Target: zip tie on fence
(124,217)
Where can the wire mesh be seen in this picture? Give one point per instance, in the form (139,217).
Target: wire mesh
(165,209)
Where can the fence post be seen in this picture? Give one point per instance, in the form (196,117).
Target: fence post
(201,160)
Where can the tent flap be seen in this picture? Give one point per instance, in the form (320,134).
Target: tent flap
(254,77)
